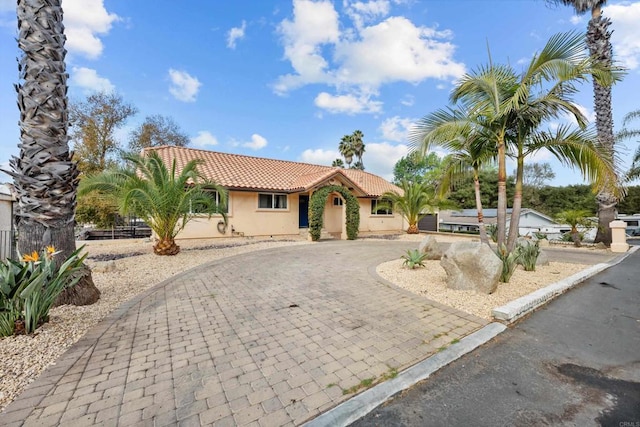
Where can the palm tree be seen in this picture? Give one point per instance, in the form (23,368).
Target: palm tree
(634,171)
(575,218)
(44,175)
(575,148)
(470,147)
(509,107)
(337,163)
(599,45)
(346,149)
(163,198)
(358,147)
(417,200)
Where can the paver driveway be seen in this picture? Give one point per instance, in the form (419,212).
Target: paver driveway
(266,338)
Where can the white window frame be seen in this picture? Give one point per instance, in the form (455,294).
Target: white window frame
(217,197)
(374,211)
(273,202)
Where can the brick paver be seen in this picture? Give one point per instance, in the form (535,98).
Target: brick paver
(267,338)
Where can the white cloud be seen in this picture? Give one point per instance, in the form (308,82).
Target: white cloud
(314,24)
(626,43)
(396,50)
(588,113)
(184,87)
(380,158)
(362,12)
(396,128)
(319,156)
(203,139)
(576,20)
(408,100)
(257,142)
(235,34)
(89,80)
(357,60)
(84,21)
(349,104)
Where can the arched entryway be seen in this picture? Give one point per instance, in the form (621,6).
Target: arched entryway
(351,215)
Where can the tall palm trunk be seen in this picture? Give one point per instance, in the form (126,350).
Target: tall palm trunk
(45,177)
(599,43)
(502,192)
(483,230)
(514,224)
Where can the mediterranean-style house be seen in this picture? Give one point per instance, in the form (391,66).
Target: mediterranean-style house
(268,197)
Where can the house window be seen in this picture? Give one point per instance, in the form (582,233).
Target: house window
(382,210)
(195,208)
(337,201)
(272,201)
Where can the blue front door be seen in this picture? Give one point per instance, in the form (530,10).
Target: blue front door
(303,215)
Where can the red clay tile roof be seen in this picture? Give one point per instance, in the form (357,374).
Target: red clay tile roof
(235,171)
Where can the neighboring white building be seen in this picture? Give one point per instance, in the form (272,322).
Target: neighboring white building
(6,220)
(633,223)
(466,221)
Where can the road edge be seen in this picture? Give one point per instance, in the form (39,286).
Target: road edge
(360,405)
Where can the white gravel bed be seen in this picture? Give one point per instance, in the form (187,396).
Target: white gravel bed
(24,357)
(430,282)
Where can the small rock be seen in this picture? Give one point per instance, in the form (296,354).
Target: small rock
(106,267)
(600,245)
(429,245)
(543,243)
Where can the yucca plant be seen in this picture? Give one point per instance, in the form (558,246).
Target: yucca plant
(414,258)
(509,262)
(529,255)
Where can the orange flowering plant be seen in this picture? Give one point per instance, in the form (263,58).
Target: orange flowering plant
(29,287)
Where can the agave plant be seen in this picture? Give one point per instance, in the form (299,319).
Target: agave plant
(414,258)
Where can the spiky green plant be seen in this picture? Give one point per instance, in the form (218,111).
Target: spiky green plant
(414,258)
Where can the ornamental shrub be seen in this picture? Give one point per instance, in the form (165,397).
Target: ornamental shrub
(29,287)
(316,211)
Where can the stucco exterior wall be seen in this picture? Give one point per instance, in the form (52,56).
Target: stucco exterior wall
(378,223)
(246,219)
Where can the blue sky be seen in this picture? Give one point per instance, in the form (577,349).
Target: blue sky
(287,79)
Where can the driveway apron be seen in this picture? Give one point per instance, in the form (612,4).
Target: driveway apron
(267,338)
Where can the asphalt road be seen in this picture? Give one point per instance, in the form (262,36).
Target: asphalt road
(575,362)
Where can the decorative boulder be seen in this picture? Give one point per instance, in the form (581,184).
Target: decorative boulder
(471,266)
(543,243)
(430,246)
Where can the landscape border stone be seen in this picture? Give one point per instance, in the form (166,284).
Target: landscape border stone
(522,306)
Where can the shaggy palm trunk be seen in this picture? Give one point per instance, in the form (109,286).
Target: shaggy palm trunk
(599,43)
(483,230)
(45,177)
(413,229)
(514,224)
(166,246)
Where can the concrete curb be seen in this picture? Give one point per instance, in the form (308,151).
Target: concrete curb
(517,308)
(360,405)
